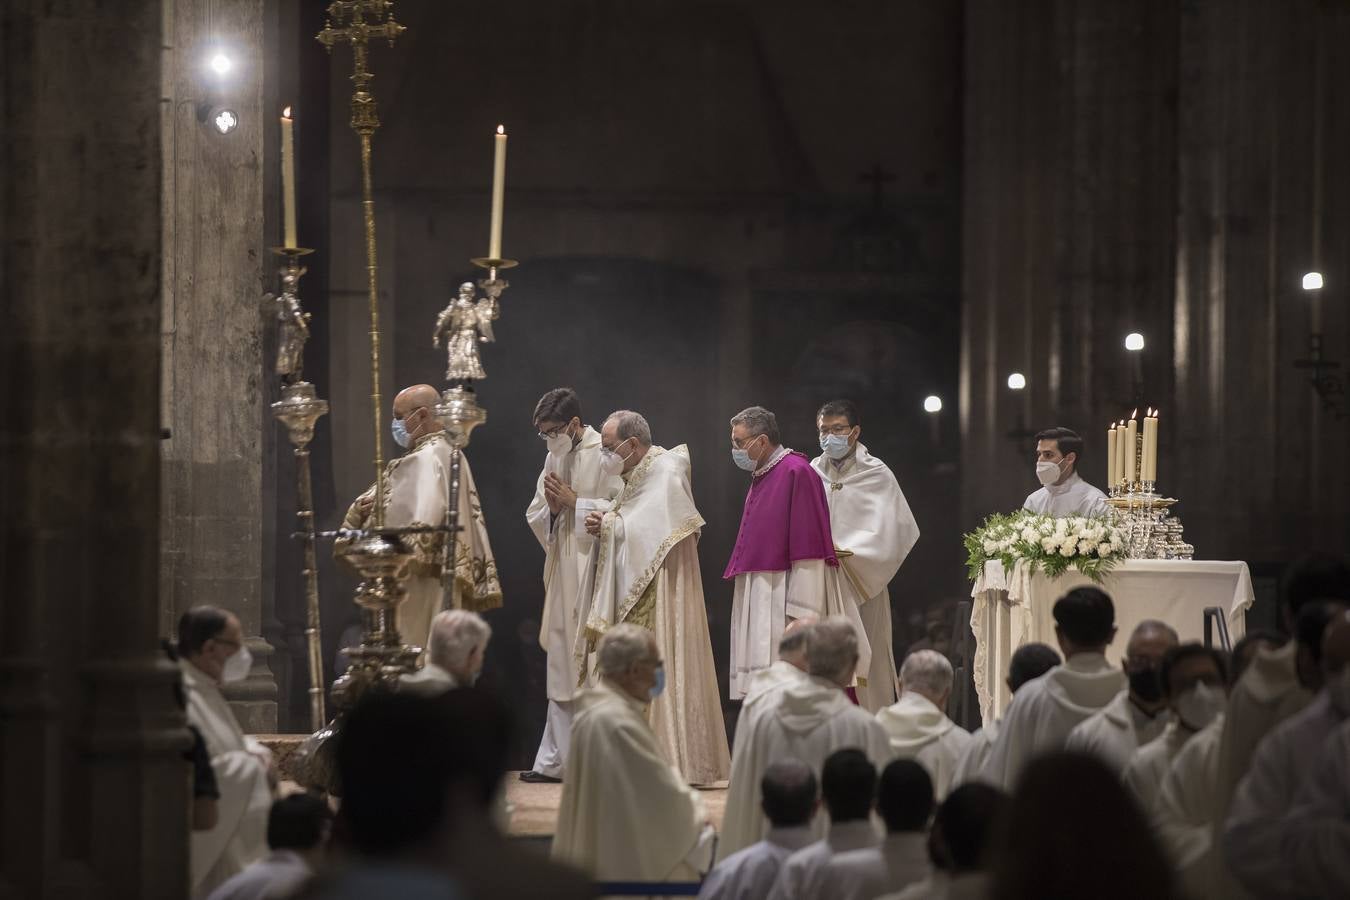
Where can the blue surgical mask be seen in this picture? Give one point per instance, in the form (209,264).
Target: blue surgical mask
(742,458)
(835,446)
(660,685)
(400,433)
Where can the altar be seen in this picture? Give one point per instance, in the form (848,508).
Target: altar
(1010,609)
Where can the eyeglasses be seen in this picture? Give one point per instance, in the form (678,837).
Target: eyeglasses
(552,433)
(836,429)
(745,441)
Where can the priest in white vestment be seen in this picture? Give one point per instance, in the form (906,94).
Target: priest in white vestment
(1062,493)
(790,798)
(646,573)
(212,652)
(917,724)
(767,685)
(1028,661)
(1194,679)
(573,484)
(848,784)
(1042,714)
(905,803)
(873,531)
(783,560)
(1183,813)
(627,814)
(459,640)
(810,721)
(1138,714)
(417,493)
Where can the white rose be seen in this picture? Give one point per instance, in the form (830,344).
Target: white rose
(990,546)
(1069,549)
(1030,535)
(1103,549)
(1050,544)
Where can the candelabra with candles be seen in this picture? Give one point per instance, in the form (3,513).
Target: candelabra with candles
(1137,508)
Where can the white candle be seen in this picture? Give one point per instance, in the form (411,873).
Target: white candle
(288,178)
(498,192)
(1151,446)
(1120,452)
(1131,447)
(1111,456)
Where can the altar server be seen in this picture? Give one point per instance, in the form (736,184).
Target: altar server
(1028,661)
(1063,492)
(783,550)
(917,725)
(873,531)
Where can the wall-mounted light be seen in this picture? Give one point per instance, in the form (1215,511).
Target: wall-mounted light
(1017,381)
(932,404)
(224,121)
(1134,342)
(1312,281)
(220,63)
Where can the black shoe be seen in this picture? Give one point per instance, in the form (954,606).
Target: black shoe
(539,778)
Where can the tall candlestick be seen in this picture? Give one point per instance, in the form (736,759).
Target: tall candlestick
(1131,448)
(1151,446)
(288,178)
(498,192)
(1111,456)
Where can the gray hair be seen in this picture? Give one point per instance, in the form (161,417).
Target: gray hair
(621,647)
(629,424)
(455,634)
(1149,627)
(831,648)
(758,420)
(927,672)
(794,639)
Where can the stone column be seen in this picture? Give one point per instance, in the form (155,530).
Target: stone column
(92,774)
(216,268)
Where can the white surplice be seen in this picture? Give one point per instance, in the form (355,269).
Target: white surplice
(801,873)
(970,764)
(567,546)
(1075,497)
(240,765)
(1046,709)
(809,721)
(918,730)
(1148,766)
(900,860)
(761,605)
(274,876)
(646,573)
(1184,812)
(626,813)
(875,530)
(1113,734)
(750,874)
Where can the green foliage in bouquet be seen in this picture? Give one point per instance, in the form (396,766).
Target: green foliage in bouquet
(1091,545)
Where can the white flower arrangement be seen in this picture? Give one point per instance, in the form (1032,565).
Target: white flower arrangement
(1092,546)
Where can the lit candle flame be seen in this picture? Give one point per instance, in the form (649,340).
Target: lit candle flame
(1135,414)
(286,113)
(501,129)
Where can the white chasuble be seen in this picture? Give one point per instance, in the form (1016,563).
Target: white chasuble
(239,762)
(874,531)
(626,814)
(566,546)
(647,573)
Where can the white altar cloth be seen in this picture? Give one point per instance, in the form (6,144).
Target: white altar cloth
(1012,609)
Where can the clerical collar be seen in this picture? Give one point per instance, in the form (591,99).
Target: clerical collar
(426,439)
(1072,481)
(774,460)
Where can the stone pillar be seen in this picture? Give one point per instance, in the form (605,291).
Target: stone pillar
(216,268)
(92,774)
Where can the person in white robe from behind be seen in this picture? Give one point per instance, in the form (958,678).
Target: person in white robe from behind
(790,799)
(211,653)
(959,845)
(1138,714)
(1043,713)
(1028,661)
(459,640)
(1280,767)
(905,803)
(767,685)
(1063,493)
(848,784)
(626,813)
(809,721)
(917,724)
(1194,679)
(873,530)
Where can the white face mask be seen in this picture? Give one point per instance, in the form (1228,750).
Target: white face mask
(1338,691)
(560,444)
(237,666)
(1048,473)
(1200,705)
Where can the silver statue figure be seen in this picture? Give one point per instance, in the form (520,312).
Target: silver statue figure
(464,324)
(294,332)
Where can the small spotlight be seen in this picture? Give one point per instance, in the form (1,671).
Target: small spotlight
(1312,281)
(1017,381)
(1134,341)
(220,63)
(224,121)
(932,404)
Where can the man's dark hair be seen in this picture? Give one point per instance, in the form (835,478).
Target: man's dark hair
(1030,661)
(558,405)
(905,796)
(789,792)
(964,827)
(197,626)
(398,755)
(1177,655)
(298,822)
(1086,616)
(843,408)
(1315,576)
(848,781)
(1067,440)
(1312,621)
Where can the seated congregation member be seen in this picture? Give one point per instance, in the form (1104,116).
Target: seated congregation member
(627,813)
(959,845)
(809,721)
(905,803)
(917,724)
(1043,713)
(1195,687)
(298,829)
(459,640)
(1138,714)
(1028,661)
(848,783)
(790,800)
(211,653)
